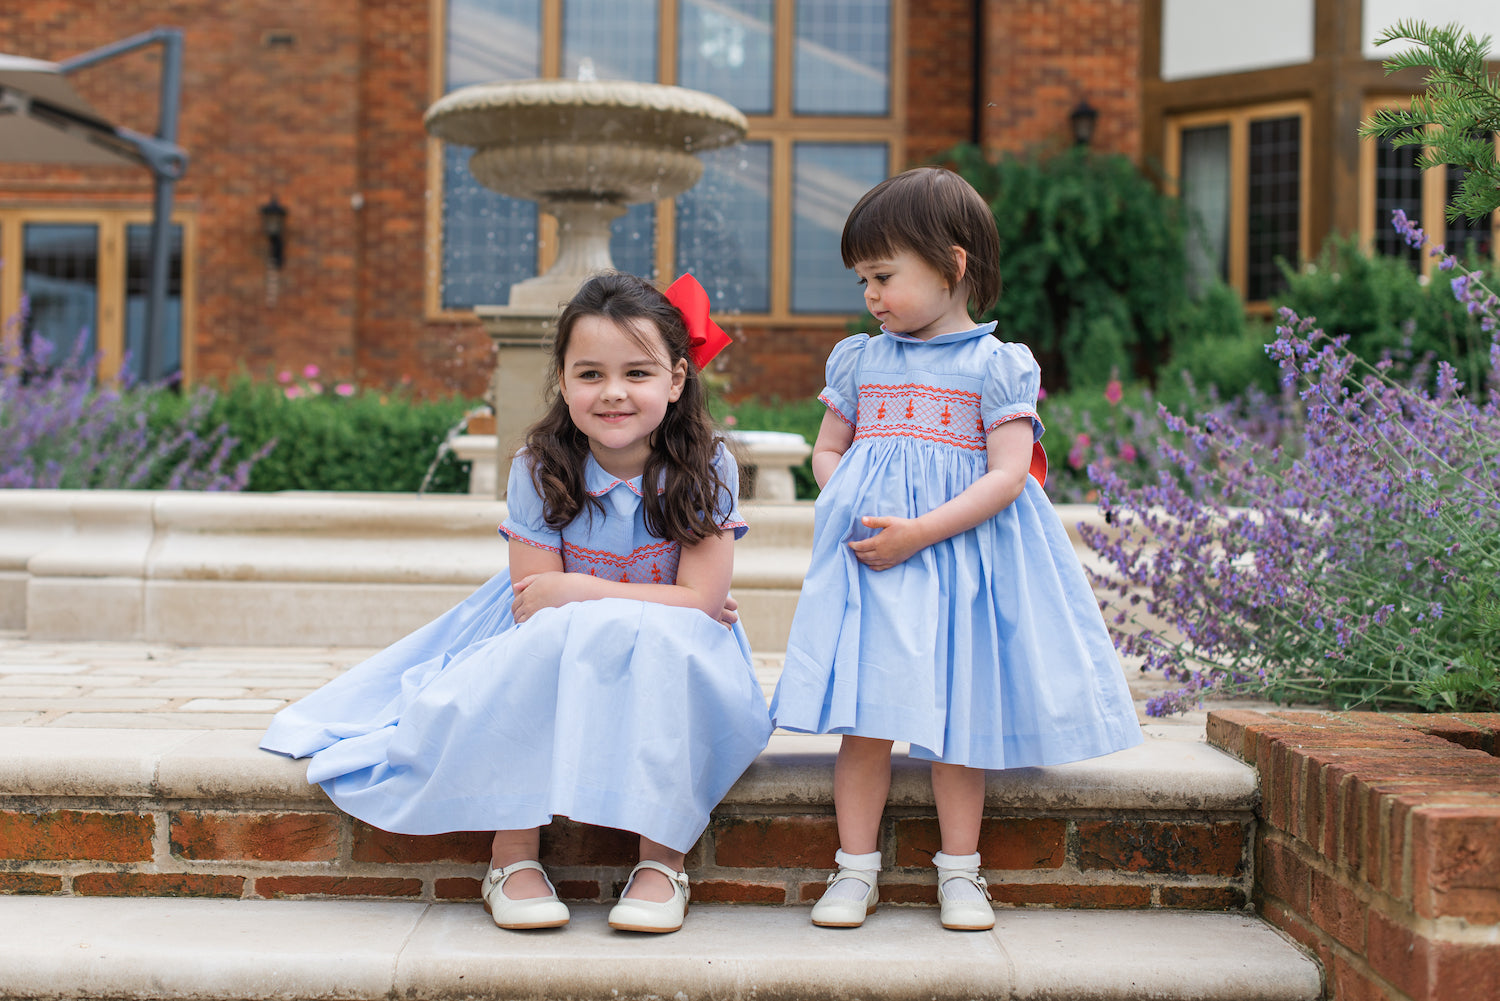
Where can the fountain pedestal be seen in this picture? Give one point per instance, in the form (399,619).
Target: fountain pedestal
(583,150)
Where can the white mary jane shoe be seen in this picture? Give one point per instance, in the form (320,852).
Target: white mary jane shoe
(964,914)
(631,914)
(521,913)
(848,912)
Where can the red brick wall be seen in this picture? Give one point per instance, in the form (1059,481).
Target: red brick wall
(1378,847)
(338,114)
(1043,56)
(256,120)
(155,848)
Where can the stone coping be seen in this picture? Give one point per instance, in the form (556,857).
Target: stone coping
(254,950)
(795,770)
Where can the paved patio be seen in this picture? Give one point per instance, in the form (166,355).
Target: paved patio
(158,685)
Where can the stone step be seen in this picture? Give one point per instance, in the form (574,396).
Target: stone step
(284,950)
(307,568)
(99,812)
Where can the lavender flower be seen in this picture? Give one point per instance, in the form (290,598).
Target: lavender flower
(1340,564)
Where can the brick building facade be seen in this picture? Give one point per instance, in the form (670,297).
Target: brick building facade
(320,105)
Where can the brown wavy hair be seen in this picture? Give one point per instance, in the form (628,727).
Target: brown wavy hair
(682,447)
(928,211)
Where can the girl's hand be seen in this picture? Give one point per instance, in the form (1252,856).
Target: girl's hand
(538,591)
(730,615)
(896,542)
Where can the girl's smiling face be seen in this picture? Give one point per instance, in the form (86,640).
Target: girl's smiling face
(909,296)
(617,383)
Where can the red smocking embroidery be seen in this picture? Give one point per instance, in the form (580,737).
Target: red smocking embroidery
(656,563)
(932,413)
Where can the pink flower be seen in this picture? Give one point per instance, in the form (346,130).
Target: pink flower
(344,389)
(1078,456)
(283,377)
(1041,394)
(292,392)
(310,372)
(1127,452)
(316,388)
(1113,392)
(730,420)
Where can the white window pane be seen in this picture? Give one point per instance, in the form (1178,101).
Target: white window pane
(616,37)
(632,240)
(725,48)
(489,240)
(828,179)
(843,57)
(168,355)
(724,228)
(1205,192)
(493,40)
(60,279)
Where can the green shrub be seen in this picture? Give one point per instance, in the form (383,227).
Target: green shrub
(1384,306)
(801,416)
(363,441)
(1093,261)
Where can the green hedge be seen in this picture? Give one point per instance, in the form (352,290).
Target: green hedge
(365,441)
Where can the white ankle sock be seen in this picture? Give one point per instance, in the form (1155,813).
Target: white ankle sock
(852,889)
(953,871)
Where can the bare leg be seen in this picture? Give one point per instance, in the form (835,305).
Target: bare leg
(650,884)
(510,847)
(861,784)
(959,795)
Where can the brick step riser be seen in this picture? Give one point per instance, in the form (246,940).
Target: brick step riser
(1092,859)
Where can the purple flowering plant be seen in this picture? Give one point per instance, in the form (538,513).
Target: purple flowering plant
(61,427)
(1356,563)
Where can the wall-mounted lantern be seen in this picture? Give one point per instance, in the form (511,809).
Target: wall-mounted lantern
(273,226)
(1082,120)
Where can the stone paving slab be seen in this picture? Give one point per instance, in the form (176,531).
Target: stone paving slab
(208,949)
(112,684)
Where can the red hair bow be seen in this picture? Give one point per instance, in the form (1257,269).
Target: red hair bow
(705,338)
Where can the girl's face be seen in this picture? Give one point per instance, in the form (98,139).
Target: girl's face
(617,386)
(909,296)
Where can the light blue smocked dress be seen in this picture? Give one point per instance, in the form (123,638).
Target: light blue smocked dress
(987,649)
(620,713)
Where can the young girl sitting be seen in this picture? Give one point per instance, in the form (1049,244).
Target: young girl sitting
(594,680)
(945,606)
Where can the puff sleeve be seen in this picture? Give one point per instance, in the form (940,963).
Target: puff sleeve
(728,515)
(524,519)
(841,394)
(1011,384)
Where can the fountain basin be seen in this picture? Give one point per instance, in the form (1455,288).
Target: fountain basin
(616,139)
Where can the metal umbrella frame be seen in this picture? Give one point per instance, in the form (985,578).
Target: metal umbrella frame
(43,120)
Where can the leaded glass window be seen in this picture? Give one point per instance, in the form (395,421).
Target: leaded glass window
(1275,203)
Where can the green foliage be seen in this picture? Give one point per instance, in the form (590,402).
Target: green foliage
(1473,682)
(801,416)
(1455,120)
(364,441)
(1093,260)
(1384,306)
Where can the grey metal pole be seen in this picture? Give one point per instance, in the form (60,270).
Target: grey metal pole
(166,163)
(153,354)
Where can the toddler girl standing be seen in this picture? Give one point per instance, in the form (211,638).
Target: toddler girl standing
(944,606)
(595,679)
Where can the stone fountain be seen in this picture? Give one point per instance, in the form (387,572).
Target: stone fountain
(583,150)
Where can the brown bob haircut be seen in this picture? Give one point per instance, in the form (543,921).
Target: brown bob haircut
(929,211)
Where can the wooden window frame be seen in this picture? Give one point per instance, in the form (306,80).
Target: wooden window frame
(1238,120)
(109,335)
(1434,194)
(782,129)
